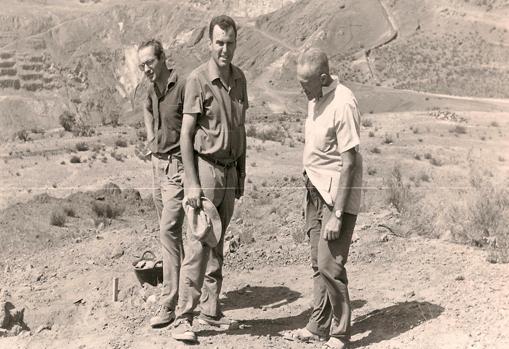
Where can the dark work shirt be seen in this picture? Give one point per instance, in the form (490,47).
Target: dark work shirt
(166,108)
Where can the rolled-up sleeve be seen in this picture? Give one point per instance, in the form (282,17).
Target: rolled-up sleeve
(193,102)
(347,127)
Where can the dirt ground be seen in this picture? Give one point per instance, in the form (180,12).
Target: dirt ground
(408,291)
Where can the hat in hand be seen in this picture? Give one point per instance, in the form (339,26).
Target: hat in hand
(204,222)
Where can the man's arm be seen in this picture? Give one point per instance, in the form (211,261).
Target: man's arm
(192,186)
(333,226)
(347,136)
(148,119)
(241,169)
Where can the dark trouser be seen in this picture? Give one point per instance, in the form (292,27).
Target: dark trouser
(168,195)
(331,314)
(202,270)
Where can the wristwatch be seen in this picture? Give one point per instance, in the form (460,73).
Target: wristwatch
(338,213)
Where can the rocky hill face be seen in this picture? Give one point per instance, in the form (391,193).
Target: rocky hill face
(81,55)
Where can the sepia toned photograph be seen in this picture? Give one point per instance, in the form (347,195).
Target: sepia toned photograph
(308,174)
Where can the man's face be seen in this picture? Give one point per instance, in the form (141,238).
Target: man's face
(222,46)
(150,64)
(310,81)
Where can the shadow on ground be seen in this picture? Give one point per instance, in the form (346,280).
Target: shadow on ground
(390,322)
(260,297)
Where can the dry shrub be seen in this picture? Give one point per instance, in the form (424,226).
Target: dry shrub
(398,193)
(107,210)
(58,218)
(478,215)
(82,146)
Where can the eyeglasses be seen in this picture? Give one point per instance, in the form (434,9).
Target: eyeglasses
(149,63)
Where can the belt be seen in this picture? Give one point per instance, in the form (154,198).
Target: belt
(217,163)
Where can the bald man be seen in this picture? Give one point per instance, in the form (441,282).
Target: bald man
(333,175)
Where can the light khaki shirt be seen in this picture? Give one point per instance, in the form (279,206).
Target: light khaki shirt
(333,127)
(220,131)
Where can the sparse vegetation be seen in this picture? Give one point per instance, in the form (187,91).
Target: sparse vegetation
(58,218)
(107,209)
(458,129)
(82,146)
(398,193)
(75,159)
(388,139)
(121,143)
(375,150)
(367,122)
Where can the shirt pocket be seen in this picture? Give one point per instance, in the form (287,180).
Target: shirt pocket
(324,139)
(239,112)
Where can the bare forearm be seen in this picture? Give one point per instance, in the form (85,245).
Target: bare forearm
(345,180)
(190,172)
(148,119)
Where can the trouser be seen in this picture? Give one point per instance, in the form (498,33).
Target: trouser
(331,314)
(168,195)
(202,269)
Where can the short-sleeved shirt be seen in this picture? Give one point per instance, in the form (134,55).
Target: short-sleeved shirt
(221,112)
(166,107)
(333,127)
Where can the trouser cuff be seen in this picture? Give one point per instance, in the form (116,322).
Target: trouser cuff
(315,329)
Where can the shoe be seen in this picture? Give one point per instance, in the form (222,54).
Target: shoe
(183,331)
(336,343)
(164,316)
(218,321)
(303,335)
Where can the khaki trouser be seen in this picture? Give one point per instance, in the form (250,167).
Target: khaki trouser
(331,314)
(168,195)
(202,269)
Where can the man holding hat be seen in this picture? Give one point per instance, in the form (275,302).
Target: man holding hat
(213,142)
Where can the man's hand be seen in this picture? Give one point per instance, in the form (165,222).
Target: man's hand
(332,228)
(239,191)
(193,195)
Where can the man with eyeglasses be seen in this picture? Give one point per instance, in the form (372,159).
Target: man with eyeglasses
(163,121)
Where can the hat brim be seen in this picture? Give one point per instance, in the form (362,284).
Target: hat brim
(212,236)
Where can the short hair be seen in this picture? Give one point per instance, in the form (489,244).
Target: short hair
(156,44)
(224,22)
(315,59)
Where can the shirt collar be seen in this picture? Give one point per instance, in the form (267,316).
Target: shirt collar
(214,71)
(172,80)
(328,89)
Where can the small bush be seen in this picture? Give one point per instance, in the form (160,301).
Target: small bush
(436,162)
(69,211)
(82,146)
(22,135)
(67,120)
(376,150)
(428,156)
(75,159)
(107,210)
(424,177)
(121,143)
(58,218)
(371,171)
(494,124)
(371,134)
(117,156)
(367,123)
(398,193)
(417,157)
(458,129)
(388,139)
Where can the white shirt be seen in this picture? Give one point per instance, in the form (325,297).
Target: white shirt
(333,127)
